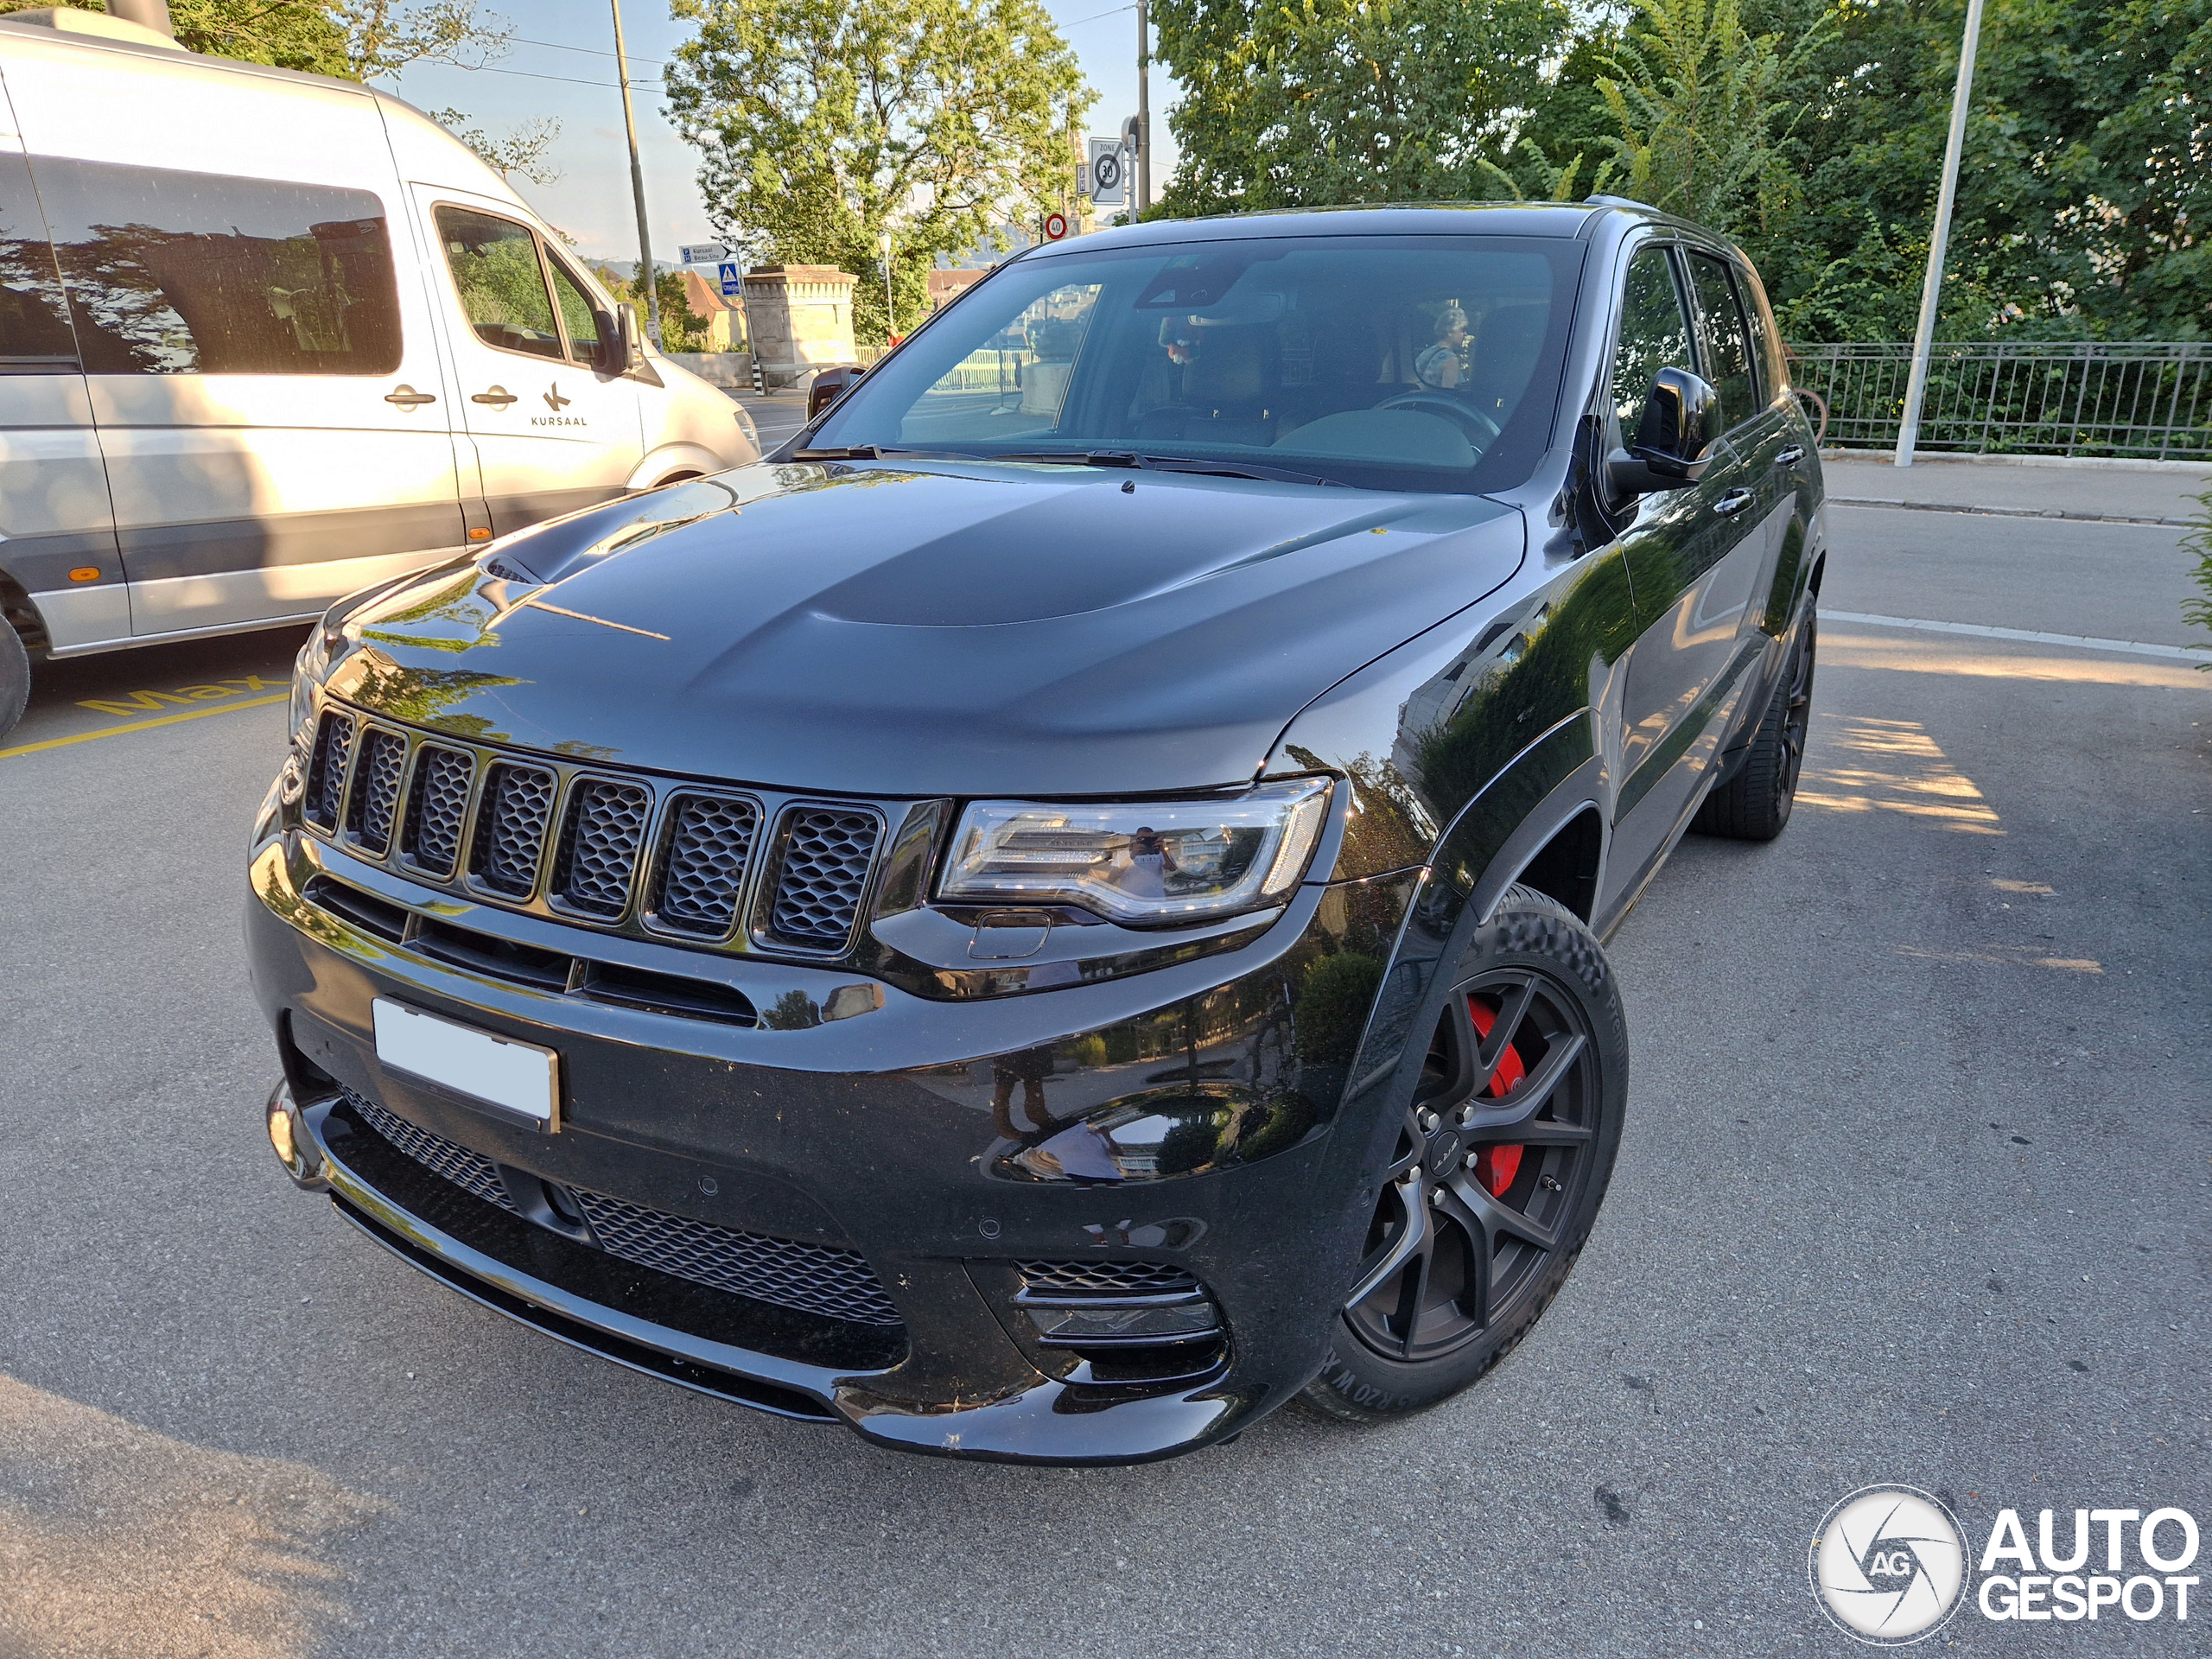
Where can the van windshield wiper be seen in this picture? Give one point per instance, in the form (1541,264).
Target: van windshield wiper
(1169,464)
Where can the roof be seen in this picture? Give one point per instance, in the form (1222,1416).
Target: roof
(704,298)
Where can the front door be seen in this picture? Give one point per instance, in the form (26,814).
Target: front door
(260,367)
(1688,564)
(553,432)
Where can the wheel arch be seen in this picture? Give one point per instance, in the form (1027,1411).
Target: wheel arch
(23,616)
(671,461)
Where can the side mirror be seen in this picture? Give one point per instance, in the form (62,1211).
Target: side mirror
(620,351)
(1674,440)
(829,385)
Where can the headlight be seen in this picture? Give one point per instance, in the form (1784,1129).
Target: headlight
(1143,862)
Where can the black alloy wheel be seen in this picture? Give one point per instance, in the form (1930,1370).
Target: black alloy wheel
(1754,804)
(1501,1162)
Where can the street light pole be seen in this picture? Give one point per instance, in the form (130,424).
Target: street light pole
(1931,290)
(1144,107)
(638,187)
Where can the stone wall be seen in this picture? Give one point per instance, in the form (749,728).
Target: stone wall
(800,318)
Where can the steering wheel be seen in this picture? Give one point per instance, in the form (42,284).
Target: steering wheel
(1481,430)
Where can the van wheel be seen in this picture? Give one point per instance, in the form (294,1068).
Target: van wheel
(15,678)
(1504,1158)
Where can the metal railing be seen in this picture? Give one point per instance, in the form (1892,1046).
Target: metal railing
(2152,401)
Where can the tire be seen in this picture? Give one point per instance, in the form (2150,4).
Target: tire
(1754,804)
(1497,1172)
(14,677)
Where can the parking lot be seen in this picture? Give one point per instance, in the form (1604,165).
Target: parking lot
(1916,1187)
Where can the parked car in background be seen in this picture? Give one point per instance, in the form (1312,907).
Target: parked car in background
(266,338)
(1066,908)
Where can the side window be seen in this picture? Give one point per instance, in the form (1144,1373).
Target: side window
(1766,345)
(1722,341)
(35,334)
(1655,335)
(494,263)
(577,314)
(199,273)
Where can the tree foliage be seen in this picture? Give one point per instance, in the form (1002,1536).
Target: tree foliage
(825,123)
(1294,102)
(524,150)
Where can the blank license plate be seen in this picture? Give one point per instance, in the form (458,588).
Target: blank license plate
(518,1077)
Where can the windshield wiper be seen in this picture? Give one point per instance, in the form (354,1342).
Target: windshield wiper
(879,452)
(1170,464)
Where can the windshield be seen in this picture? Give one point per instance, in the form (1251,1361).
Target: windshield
(1399,363)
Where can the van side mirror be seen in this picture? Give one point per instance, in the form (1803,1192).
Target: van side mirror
(620,351)
(1674,439)
(829,385)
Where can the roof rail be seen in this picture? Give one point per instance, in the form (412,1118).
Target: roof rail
(1619,201)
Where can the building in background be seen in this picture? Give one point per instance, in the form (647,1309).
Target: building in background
(718,322)
(946,286)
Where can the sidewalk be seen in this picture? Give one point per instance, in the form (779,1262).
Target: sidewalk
(2052,488)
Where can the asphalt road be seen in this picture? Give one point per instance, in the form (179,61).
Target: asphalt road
(1916,1187)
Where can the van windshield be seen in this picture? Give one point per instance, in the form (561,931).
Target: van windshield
(1399,363)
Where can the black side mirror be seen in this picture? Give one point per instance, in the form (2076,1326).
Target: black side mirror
(1674,440)
(829,385)
(619,350)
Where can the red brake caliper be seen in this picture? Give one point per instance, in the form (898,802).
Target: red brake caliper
(1495,1167)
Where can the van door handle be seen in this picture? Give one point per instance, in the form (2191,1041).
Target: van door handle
(498,397)
(1734,501)
(407,398)
(1791,456)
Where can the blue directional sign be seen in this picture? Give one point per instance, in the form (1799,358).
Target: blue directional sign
(732,282)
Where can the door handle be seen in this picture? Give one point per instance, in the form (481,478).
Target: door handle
(407,398)
(498,397)
(1734,501)
(1791,456)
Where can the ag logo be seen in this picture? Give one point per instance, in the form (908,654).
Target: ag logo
(1889,1566)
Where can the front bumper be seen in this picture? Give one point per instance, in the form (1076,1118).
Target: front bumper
(907,1138)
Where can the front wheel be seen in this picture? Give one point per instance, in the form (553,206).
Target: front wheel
(1500,1163)
(14,677)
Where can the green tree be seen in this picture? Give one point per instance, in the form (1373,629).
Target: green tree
(825,123)
(383,36)
(522,150)
(1701,109)
(353,39)
(1300,103)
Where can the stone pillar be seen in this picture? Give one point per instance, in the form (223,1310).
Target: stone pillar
(799,319)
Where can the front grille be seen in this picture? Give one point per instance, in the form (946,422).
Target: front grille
(814,1279)
(333,744)
(826,857)
(1108,1277)
(431,839)
(470,1171)
(599,846)
(710,844)
(728,868)
(375,800)
(511,828)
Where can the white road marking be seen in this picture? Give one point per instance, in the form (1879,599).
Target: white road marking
(2079,641)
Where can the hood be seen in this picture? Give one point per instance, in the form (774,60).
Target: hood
(927,630)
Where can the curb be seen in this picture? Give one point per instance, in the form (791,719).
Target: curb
(2006,512)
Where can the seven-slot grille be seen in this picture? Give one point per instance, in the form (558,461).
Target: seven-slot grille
(511,828)
(710,844)
(377,776)
(827,852)
(816,1279)
(599,846)
(610,851)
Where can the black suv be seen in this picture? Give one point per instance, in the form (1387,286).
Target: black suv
(1063,908)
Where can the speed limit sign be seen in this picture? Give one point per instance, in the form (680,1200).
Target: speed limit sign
(1108,172)
(1055,227)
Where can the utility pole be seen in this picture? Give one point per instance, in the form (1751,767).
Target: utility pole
(638,187)
(1931,290)
(890,317)
(1144,109)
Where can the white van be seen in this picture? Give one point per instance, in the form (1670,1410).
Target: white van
(266,338)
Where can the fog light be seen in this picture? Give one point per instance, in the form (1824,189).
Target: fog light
(293,1146)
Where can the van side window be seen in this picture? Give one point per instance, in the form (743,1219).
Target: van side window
(199,273)
(576,308)
(1721,340)
(494,263)
(35,334)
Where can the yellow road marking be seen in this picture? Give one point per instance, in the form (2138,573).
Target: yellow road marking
(141,726)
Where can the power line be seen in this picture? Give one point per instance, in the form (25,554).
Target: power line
(560,46)
(527,74)
(1094,17)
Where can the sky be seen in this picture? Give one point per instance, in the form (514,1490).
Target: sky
(562,65)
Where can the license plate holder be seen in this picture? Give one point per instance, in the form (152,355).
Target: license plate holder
(518,1081)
